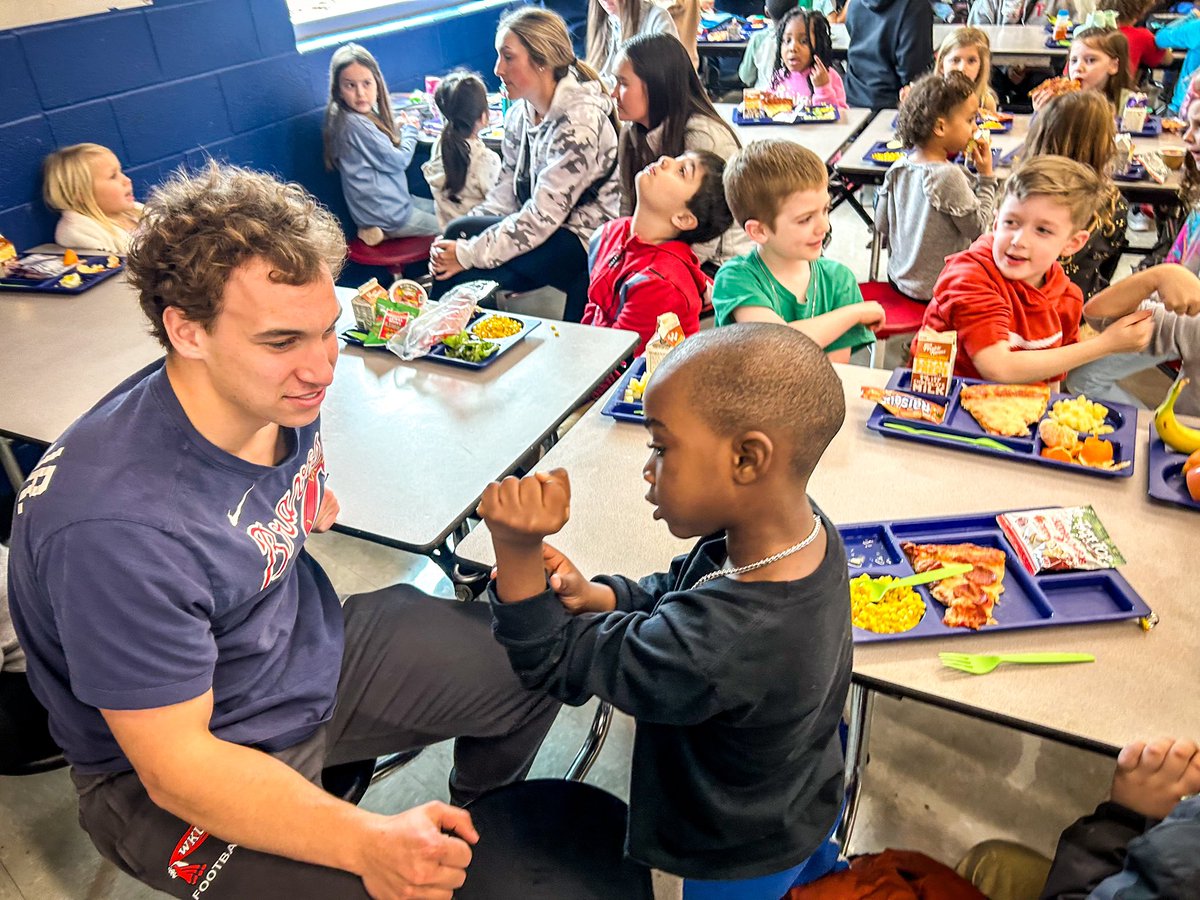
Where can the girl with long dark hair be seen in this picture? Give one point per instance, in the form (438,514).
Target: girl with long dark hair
(461,169)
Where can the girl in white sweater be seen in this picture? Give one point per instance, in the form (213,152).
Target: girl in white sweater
(461,169)
(85,183)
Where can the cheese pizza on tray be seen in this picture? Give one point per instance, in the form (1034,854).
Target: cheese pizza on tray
(969,598)
(1005,409)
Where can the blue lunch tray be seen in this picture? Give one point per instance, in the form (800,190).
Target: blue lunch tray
(739,119)
(1152,128)
(1166,474)
(438,353)
(958,421)
(1135,172)
(618,409)
(881,147)
(51,285)
(1028,601)
(1005,124)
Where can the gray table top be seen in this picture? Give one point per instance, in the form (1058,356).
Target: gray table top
(1010,43)
(824,140)
(60,353)
(1141,684)
(880,129)
(411,445)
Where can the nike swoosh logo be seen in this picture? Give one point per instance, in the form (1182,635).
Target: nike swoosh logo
(237,513)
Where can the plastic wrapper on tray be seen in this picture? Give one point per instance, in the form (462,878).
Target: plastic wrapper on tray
(440,321)
(1060,540)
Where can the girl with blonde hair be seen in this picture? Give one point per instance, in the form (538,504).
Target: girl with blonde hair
(84,183)
(557,183)
(370,154)
(969,51)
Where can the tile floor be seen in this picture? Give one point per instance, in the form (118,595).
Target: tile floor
(937,781)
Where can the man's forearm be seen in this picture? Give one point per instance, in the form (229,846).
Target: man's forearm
(252,799)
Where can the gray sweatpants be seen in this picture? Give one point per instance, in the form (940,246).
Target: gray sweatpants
(416,670)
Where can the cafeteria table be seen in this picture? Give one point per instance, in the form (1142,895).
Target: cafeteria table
(1011,44)
(825,140)
(854,168)
(411,445)
(1142,683)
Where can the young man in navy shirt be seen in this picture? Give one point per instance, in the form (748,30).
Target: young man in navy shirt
(197,667)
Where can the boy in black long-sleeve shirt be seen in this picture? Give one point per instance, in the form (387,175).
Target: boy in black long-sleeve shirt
(736,662)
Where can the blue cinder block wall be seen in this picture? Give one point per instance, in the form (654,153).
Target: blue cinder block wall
(185,79)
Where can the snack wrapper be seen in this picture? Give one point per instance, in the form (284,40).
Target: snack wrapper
(363,303)
(933,361)
(440,320)
(1153,162)
(906,406)
(1060,539)
(390,319)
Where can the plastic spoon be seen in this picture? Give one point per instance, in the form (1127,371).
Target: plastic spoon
(878,588)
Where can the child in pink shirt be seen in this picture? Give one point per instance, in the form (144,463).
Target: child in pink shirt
(804,60)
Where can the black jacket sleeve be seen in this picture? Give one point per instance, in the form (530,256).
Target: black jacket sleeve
(1092,849)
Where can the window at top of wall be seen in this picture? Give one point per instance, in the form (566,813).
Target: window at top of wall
(314,18)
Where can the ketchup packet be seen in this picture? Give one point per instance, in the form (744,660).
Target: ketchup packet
(1060,539)
(906,406)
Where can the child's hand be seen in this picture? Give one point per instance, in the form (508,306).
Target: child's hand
(1179,289)
(574,591)
(1129,334)
(522,511)
(1151,778)
(981,156)
(820,74)
(871,314)
(1039,98)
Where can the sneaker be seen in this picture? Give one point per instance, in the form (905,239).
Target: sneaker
(1139,221)
(371,236)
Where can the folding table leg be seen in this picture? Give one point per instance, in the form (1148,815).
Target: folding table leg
(858,736)
(11,467)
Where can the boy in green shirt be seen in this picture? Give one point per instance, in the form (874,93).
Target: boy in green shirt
(779,192)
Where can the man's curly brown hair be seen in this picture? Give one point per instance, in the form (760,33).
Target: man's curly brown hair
(199,226)
(931,98)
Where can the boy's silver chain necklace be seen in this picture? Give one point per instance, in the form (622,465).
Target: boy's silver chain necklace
(795,548)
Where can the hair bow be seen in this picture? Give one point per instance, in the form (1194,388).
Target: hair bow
(1099,18)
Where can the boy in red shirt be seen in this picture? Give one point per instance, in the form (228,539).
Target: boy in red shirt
(1016,313)
(643,265)
(1142,49)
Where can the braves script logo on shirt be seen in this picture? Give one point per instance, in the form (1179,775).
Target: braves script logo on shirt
(178,867)
(296,510)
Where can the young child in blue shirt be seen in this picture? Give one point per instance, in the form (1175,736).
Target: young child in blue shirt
(735,662)
(362,144)
(779,192)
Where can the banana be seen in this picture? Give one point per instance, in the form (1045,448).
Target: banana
(1174,434)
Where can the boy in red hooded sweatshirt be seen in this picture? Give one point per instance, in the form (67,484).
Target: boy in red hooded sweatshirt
(1016,313)
(643,265)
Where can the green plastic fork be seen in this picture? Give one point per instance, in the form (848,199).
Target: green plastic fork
(982,663)
(946,435)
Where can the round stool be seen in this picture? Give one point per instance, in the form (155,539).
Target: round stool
(393,254)
(552,840)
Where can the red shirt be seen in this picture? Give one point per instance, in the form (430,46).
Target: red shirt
(1142,49)
(633,283)
(972,297)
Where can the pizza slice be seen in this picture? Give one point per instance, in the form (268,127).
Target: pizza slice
(1005,409)
(969,598)
(1058,85)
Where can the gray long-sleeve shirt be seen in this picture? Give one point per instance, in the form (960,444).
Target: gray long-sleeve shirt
(926,212)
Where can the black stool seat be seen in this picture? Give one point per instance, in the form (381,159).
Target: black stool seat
(552,840)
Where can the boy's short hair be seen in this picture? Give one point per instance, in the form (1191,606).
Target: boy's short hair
(931,98)
(777,9)
(1066,182)
(708,204)
(757,375)
(763,174)
(1126,10)
(198,227)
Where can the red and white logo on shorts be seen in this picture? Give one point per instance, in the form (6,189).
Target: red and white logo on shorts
(178,867)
